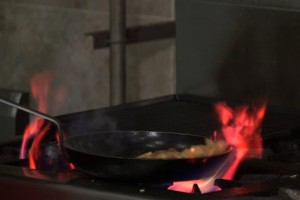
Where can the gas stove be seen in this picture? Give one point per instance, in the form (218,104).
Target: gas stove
(275,176)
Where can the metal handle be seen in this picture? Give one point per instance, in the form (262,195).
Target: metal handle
(37,113)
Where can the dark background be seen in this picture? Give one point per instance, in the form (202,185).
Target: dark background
(239,50)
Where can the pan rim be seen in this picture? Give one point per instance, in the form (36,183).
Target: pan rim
(69,147)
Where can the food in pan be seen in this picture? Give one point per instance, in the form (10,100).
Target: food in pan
(210,148)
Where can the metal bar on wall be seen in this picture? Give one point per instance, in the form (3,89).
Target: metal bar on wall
(137,34)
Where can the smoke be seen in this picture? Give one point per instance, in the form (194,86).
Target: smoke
(47,39)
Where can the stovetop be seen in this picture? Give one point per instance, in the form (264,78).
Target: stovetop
(275,176)
(257,183)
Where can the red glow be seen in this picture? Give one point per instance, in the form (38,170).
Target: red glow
(240,127)
(71,166)
(205,185)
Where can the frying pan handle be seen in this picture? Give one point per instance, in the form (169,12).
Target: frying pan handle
(37,113)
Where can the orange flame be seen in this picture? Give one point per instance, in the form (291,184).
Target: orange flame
(37,129)
(35,153)
(39,88)
(241,129)
(243,132)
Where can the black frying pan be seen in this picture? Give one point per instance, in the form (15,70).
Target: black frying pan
(112,155)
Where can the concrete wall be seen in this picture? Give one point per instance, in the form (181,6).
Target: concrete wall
(39,35)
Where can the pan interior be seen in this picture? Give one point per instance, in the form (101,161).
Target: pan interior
(129,144)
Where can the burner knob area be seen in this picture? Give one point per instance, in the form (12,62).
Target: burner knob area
(196,189)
